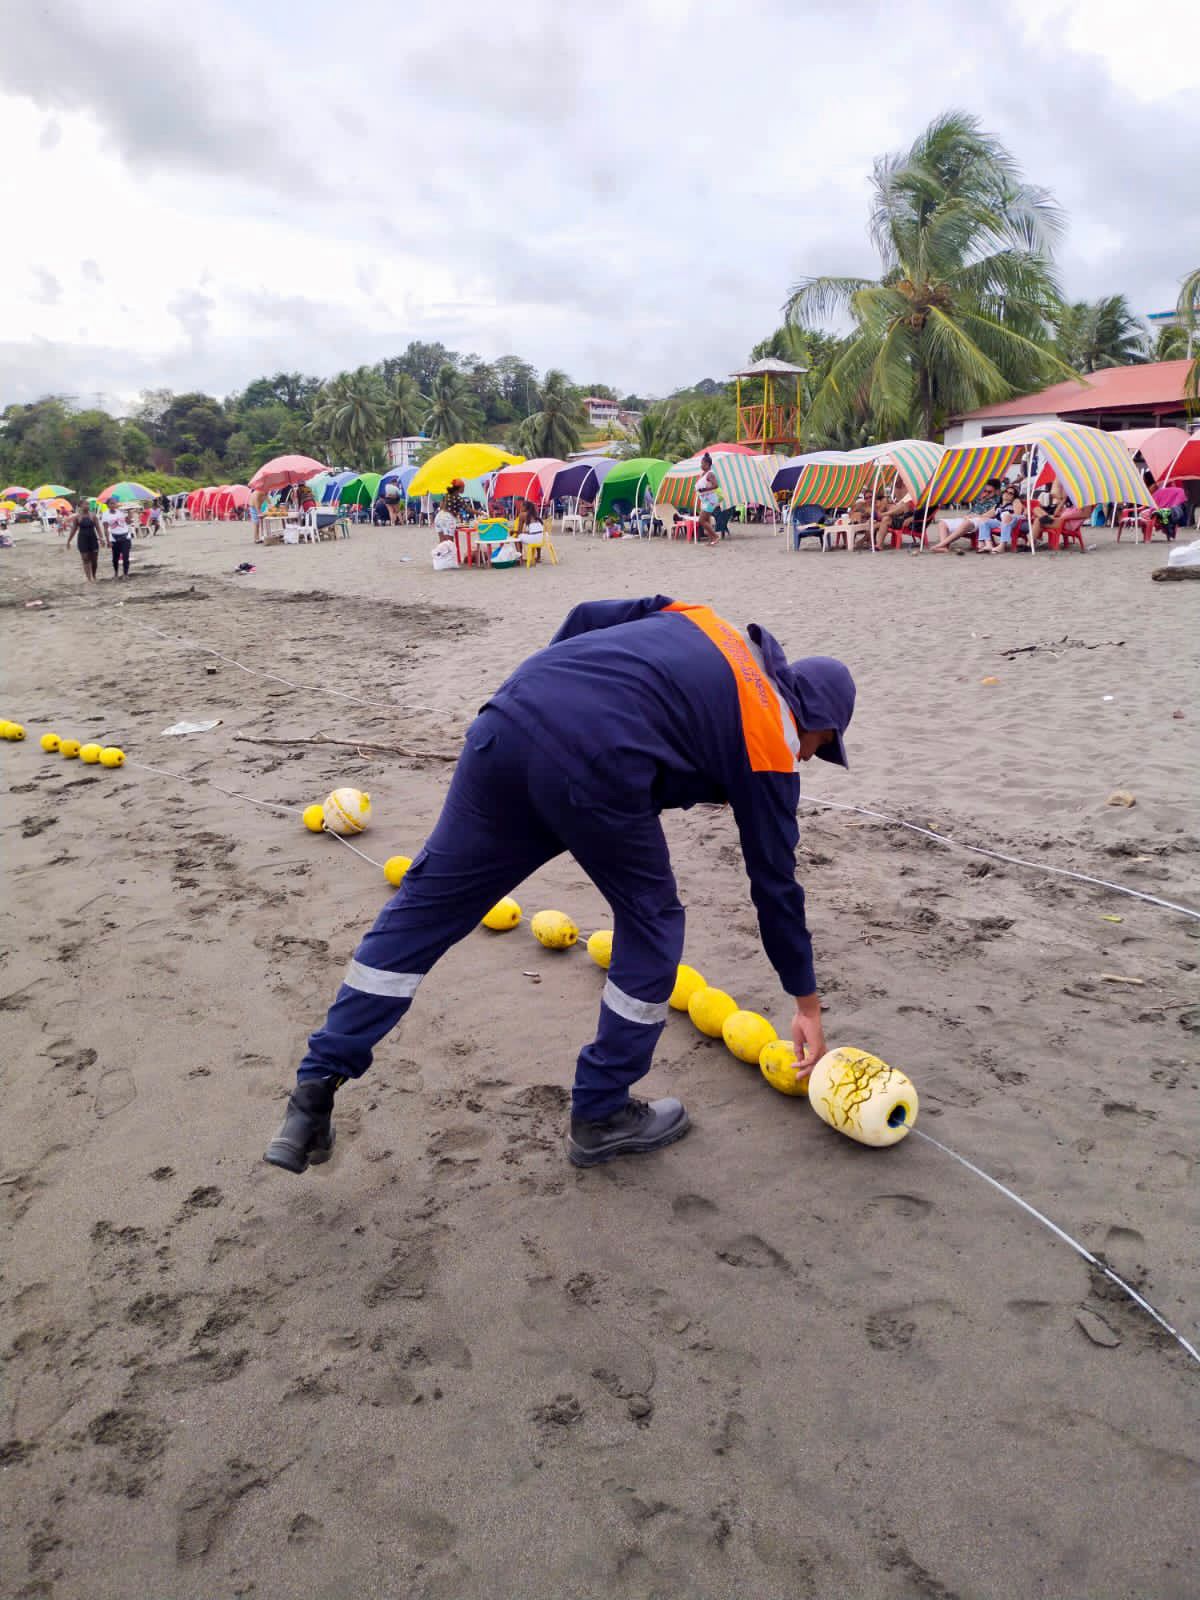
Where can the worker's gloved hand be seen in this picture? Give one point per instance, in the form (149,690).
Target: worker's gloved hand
(808,1035)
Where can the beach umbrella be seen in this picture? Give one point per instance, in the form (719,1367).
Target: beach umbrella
(458,461)
(530,480)
(8,505)
(14,492)
(581,480)
(49,491)
(125,491)
(284,470)
(360,490)
(628,480)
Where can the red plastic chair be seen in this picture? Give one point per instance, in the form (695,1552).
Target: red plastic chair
(1068,530)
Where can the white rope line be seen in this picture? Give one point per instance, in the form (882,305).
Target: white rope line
(260,672)
(1013,861)
(188,777)
(1066,1238)
(361,853)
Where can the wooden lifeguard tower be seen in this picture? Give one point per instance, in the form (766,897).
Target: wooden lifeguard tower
(770,420)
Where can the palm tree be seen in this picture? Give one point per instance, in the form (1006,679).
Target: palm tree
(1099,333)
(959,316)
(406,405)
(348,415)
(452,415)
(1188,308)
(557,428)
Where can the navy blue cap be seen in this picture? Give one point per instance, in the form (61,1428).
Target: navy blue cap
(818,689)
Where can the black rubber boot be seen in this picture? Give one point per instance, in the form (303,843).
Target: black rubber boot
(636,1129)
(307,1135)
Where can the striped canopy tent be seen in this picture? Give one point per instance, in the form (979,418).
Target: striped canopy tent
(529,480)
(744,480)
(581,480)
(628,480)
(822,478)
(1093,467)
(914,460)
(1170,453)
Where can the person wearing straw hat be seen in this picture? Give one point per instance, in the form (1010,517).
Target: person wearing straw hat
(636,707)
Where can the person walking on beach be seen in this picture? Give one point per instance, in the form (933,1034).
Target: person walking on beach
(636,707)
(121,539)
(86,535)
(707,500)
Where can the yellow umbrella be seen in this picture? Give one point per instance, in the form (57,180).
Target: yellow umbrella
(8,505)
(458,461)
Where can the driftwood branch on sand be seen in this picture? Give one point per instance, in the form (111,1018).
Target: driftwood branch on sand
(1174,574)
(353,744)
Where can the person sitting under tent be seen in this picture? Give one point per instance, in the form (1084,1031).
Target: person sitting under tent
(381,514)
(897,516)
(949,530)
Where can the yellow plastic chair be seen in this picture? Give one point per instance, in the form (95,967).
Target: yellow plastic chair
(545,544)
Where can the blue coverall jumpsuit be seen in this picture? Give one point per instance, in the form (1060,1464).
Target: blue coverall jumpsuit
(635,707)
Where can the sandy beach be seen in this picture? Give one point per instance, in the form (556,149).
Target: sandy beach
(765,1363)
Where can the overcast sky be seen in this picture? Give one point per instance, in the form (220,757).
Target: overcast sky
(194,196)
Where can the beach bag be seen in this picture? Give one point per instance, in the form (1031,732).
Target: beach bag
(1187,555)
(506,555)
(444,556)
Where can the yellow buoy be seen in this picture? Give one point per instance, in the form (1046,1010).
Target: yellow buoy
(347,811)
(394,869)
(11,730)
(687,981)
(862,1097)
(68,748)
(554,930)
(314,818)
(89,754)
(111,756)
(505,914)
(49,742)
(708,1009)
(599,947)
(746,1035)
(780,1066)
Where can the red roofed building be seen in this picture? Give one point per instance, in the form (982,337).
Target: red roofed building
(1146,396)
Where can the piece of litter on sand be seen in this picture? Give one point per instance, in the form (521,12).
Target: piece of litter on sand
(1111,916)
(536,976)
(1097,1330)
(1121,797)
(34,605)
(1115,977)
(178,728)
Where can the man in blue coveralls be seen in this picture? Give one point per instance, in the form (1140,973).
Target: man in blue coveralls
(634,708)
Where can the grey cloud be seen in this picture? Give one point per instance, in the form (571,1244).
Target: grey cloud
(49,290)
(91,272)
(192,309)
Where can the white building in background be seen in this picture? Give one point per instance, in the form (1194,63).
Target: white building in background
(601,412)
(402,452)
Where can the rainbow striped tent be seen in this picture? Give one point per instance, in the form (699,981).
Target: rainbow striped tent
(1093,467)
(823,478)
(916,461)
(744,480)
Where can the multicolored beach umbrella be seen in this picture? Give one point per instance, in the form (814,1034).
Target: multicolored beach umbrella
(46,491)
(126,491)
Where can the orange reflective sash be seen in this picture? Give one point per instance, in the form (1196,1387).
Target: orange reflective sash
(763,711)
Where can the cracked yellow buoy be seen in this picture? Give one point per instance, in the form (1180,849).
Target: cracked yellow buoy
(394,869)
(111,756)
(708,1009)
(347,811)
(746,1035)
(314,818)
(780,1066)
(68,748)
(687,981)
(862,1097)
(49,743)
(599,947)
(554,930)
(505,914)
(89,754)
